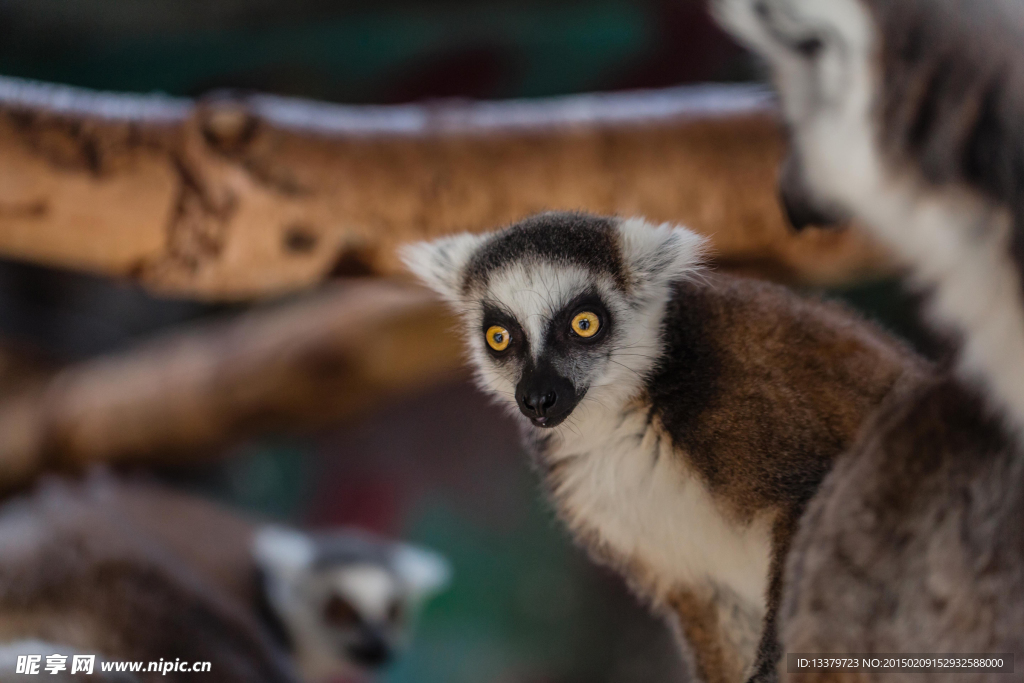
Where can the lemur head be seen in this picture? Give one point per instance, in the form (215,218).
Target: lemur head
(906,115)
(887,101)
(822,61)
(346,599)
(562,308)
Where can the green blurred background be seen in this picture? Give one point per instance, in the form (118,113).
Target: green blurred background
(443,468)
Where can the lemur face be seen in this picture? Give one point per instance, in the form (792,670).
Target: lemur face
(360,608)
(346,599)
(560,310)
(821,54)
(906,115)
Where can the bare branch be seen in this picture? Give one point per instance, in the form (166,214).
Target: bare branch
(238,198)
(291,367)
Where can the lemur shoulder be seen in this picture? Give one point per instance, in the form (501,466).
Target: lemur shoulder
(680,418)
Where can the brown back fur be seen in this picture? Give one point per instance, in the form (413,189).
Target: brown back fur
(79,567)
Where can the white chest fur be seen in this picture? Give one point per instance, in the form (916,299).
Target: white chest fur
(621,480)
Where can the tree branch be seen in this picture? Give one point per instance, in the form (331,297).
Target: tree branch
(289,367)
(235,198)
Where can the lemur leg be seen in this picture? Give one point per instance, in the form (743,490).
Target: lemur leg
(717,634)
(769,651)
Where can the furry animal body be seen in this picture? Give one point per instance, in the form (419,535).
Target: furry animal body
(680,419)
(74,574)
(907,116)
(134,571)
(914,542)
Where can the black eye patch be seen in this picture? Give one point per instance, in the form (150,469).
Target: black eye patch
(339,613)
(496,317)
(560,329)
(808,46)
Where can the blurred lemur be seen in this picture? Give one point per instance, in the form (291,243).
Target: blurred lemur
(680,418)
(907,115)
(134,571)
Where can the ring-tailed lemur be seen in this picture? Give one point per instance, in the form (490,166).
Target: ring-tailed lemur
(134,571)
(680,418)
(346,600)
(907,115)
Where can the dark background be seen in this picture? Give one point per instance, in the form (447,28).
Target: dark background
(443,468)
(367,52)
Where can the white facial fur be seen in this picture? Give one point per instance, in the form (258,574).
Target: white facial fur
(532,291)
(367,587)
(956,240)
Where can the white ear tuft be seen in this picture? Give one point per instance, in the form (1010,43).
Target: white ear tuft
(422,571)
(283,552)
(659,253)
(440,264)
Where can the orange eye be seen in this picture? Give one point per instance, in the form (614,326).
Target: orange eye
(586,324)
(498,337)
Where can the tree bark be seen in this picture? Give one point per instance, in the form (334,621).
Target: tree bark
(237,198)
(292,366)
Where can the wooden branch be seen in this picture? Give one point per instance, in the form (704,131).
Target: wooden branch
(290,367)
(247,197)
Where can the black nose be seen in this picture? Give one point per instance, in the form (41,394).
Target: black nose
(545,397)
(799,203)
(370,652)
(539,401)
